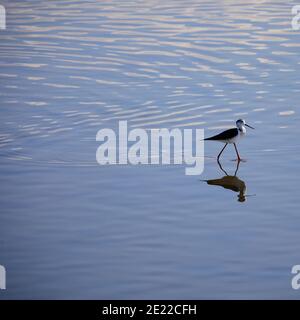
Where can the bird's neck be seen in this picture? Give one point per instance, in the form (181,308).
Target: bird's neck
(242,129)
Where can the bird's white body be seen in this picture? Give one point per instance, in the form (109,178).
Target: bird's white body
(232,140)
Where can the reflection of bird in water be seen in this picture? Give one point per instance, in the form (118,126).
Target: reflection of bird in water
(231,182)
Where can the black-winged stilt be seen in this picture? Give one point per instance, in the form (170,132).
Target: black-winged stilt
(231,136)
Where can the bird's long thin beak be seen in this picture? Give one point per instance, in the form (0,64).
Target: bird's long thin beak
(247,125)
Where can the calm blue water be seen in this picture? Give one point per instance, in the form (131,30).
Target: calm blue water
(70,228)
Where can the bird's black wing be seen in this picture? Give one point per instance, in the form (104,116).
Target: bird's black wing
(225,135)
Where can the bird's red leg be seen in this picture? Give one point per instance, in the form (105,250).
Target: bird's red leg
(222,151)
(237,153)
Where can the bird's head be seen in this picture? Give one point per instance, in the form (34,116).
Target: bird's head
(242,123)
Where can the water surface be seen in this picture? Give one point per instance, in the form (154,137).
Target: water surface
(70,228)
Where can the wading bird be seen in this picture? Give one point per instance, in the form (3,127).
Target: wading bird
(231,136)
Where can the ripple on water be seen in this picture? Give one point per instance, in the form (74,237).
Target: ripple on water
(151,63)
